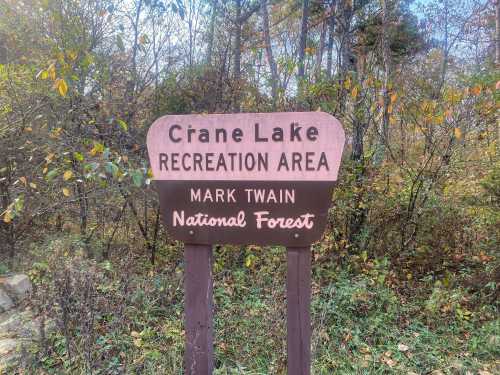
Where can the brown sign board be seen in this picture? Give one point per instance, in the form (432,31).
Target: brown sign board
(249,178)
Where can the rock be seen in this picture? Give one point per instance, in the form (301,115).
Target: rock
(18,326)
(18,286)
(7,346)
(9,352)
(19,323)
(5,301)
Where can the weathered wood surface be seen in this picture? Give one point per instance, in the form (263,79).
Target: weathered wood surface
(298,293)
(199,354)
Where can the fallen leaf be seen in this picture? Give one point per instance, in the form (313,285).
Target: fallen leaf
(403,347)
(7,217)
(67,175)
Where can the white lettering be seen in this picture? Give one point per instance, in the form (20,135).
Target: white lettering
(270,195)
(204,220)
(195,195)
(303,221)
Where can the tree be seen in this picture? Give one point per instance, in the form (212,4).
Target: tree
(269,52)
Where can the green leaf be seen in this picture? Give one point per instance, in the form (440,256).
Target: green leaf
(137,178)
(111,168)
(91,167)
(19,203)
(119,43)
(51,174)
(78,156)
(122,125)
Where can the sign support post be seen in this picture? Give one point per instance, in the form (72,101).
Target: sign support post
(298,298)
(198,287)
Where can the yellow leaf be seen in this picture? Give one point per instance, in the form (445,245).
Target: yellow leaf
(394,96)
(49,157)
(7,217)
(55,133)
(392,120)
(32,185)
(43,74)
(347,84)
(439,119)
(72,55)
(23,180)
(67,175)
(29,129)
(389,109)
(66,192)
(458,133)
(51,71)
(45,169)
(62,87)
(98,148)
(354,92)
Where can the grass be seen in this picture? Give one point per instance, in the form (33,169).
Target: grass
(361,325)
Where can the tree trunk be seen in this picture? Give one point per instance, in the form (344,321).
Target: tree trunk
(211,33)
(348,61)
(321,48)
(331,33)
(269,52)
(132,82)
(386,58)
(349,66)
(497,34)
(302,46)
(237,60)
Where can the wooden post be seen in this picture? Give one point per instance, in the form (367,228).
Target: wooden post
(199,354)
(298,294)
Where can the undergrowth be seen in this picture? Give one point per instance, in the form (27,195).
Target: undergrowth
(126,316)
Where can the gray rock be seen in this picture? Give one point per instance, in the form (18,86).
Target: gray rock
(18,286)
(19,323)
(9,353)
(5,301)
(7,346)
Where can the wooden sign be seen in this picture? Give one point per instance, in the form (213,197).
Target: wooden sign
(251,178)
(248,178)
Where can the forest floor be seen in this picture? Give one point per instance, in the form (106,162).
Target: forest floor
(363,321)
